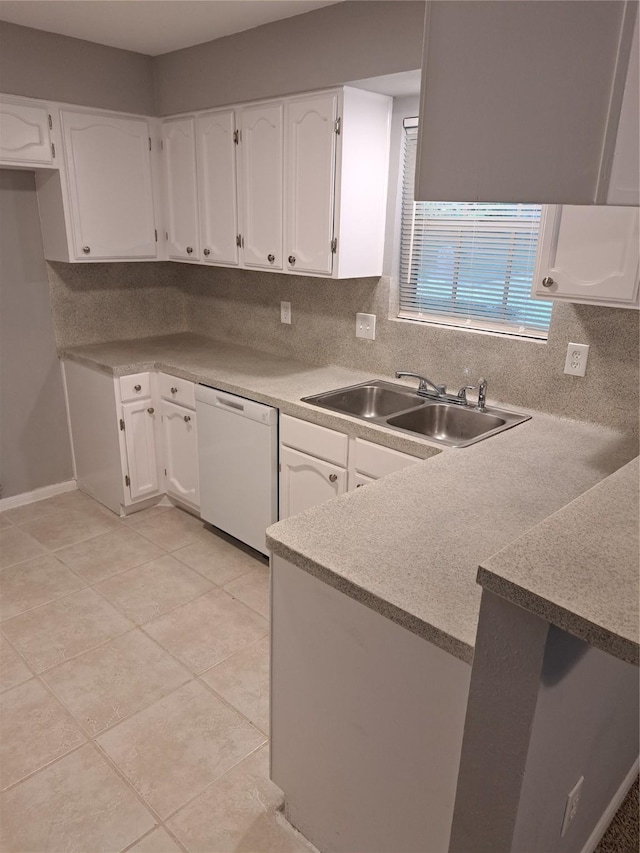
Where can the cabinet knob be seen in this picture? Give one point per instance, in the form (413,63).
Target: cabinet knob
(547,281)
(187,418)
(86,249)
(189,250)
(137,387)
(271,258)
(333,478)
(151,410)
(207,252)
(174,390)
(292,260)
(359,485)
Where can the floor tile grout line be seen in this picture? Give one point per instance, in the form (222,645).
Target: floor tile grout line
(20,655)
(232,707)
(42,768)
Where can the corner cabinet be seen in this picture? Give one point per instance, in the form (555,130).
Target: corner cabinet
(180,190)
(590,255)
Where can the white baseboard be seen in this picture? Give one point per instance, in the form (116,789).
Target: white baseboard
(608,814)
(37,495)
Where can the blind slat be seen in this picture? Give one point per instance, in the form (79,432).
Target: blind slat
(468,263)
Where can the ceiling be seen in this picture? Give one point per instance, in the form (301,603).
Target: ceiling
(151,27)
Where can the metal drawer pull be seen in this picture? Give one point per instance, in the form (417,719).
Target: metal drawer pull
(137,387)
(231,404)
(187,418)
(207,252)
(292,259)
(271,258)
(151,410)
(547,281)
(174,390)
(333,478)
(86,249)
(189,250)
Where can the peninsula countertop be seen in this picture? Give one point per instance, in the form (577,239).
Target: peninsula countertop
(407,546)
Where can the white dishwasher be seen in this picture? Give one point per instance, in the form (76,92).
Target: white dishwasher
(238,464)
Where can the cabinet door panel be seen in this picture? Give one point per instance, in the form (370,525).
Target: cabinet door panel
(139,432)
(180,452)
(181,208)
(591,253)
(24,133)
(310,183)
(306,481)
(261,153)
(216,156)
(109,177)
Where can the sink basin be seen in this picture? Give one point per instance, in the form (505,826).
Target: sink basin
(399,408)
(449,424)
(370,400)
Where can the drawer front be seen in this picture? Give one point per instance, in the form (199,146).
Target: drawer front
(376,461)
(135,387)
(179,391)
(313,439)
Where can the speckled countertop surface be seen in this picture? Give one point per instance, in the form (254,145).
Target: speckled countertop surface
(409,545)
(580,568)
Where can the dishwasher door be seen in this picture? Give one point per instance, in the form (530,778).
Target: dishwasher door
(238,464)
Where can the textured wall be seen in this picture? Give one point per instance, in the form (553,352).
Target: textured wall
(326,47)
(237,305)
(34,438)
(92,303)
(39,64)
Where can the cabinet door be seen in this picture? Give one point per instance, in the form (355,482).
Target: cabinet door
(216,157)
(261,155)
(24,133)
(139,433)
(110,189)
(306,481)
(591,253)
(180,452)
(310,183)
(181,206)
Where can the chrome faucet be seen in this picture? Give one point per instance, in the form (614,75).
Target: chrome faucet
(432,391)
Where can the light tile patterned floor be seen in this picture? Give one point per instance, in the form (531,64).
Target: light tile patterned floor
(134,685)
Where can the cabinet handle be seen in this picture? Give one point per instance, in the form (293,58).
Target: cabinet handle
(207,252)
(333,478)
(359,485)
(151,410)
(137,387)
(189,250)
(187,418)
(86,249)
(174,390)
(271,258)
(547,281)
(292,260)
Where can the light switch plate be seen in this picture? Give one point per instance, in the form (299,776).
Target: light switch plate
(366,326)
(576,361)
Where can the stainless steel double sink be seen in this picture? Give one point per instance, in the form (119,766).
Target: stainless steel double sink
(400,408)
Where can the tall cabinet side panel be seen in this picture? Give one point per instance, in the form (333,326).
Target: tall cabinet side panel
(94,433)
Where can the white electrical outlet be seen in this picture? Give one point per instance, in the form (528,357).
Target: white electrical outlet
(576,361)
(571,809)
(285,312)
(366,326)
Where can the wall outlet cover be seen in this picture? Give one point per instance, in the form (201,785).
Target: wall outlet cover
(576,361)
(571,808)
(285,312)
(366,326)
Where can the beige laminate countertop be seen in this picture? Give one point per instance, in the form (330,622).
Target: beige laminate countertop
(407,546)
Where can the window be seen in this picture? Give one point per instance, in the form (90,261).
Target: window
(469,264)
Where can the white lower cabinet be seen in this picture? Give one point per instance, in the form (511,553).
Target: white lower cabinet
(180,449)
(139,418)
(317,464)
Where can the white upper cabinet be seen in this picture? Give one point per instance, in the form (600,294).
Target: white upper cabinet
(311,130)
(218,208)
(261,191)
(180,189)
(110,189)
(590,254)
(24,133)
(522,100)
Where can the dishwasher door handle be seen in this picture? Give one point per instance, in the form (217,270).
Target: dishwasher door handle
(230,403)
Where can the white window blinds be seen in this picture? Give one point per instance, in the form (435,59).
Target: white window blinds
(469,264)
